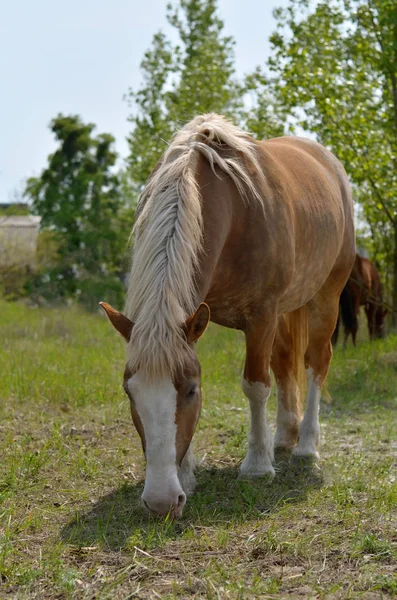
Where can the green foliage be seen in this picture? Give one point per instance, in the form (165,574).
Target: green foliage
(15,209)
(205,62)
(261,116)
(182,80)
(79,199)
(14,280)
(335,71)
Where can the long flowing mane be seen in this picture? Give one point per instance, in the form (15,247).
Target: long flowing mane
(168,236)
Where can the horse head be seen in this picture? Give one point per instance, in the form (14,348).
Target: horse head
(165,412)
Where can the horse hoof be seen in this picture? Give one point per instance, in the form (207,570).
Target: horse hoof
(267,472)
(306,455)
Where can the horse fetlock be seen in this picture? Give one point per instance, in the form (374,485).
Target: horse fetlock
(309,439)
(257,463)
(286,435)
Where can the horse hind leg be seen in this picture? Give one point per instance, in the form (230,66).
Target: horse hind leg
(288,395)
(322,316)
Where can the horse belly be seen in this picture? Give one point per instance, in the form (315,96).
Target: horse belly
(314,261)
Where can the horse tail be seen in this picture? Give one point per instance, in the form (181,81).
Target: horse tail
(349,317)
(297,325)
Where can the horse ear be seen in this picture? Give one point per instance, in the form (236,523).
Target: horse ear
(197,323)
(120,322)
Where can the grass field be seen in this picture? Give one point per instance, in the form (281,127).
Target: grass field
(71,475)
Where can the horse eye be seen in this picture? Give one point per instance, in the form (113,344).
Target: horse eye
(192,391)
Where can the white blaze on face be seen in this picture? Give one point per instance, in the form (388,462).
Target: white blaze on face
(155,403)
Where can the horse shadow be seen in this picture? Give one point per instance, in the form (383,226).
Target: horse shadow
(118,521)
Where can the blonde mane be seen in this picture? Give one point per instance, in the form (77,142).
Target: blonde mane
(168,236)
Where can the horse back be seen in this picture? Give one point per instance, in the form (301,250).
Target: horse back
(284,249)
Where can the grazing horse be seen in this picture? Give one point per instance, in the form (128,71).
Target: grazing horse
(363,288)
(253,235)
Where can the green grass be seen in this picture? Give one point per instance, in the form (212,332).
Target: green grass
(71,475)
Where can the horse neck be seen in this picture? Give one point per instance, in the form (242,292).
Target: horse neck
(218,197)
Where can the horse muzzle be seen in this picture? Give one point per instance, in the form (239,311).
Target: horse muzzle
(162,496)
(161,507)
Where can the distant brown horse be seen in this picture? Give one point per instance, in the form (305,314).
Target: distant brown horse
(256,236)
(364,288)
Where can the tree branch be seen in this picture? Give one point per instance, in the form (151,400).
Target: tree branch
(381,201)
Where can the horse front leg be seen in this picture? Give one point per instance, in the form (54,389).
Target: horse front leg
(256,384)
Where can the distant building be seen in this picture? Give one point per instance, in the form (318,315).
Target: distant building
(18,240)
(17,208)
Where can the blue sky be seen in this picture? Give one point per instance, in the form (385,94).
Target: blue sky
(81,56)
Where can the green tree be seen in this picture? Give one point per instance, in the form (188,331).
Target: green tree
(78,197)
(334,70)
(195,76)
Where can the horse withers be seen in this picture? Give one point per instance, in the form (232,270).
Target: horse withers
(253,235)
(363,288)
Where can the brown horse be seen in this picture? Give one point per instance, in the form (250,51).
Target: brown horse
(363,288)
(256,236)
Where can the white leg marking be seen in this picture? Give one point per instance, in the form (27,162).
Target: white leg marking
(260,444)
(155,403)
(309,432)
(287,420)
(186,472)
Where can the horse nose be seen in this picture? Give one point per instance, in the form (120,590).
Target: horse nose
(163,506)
